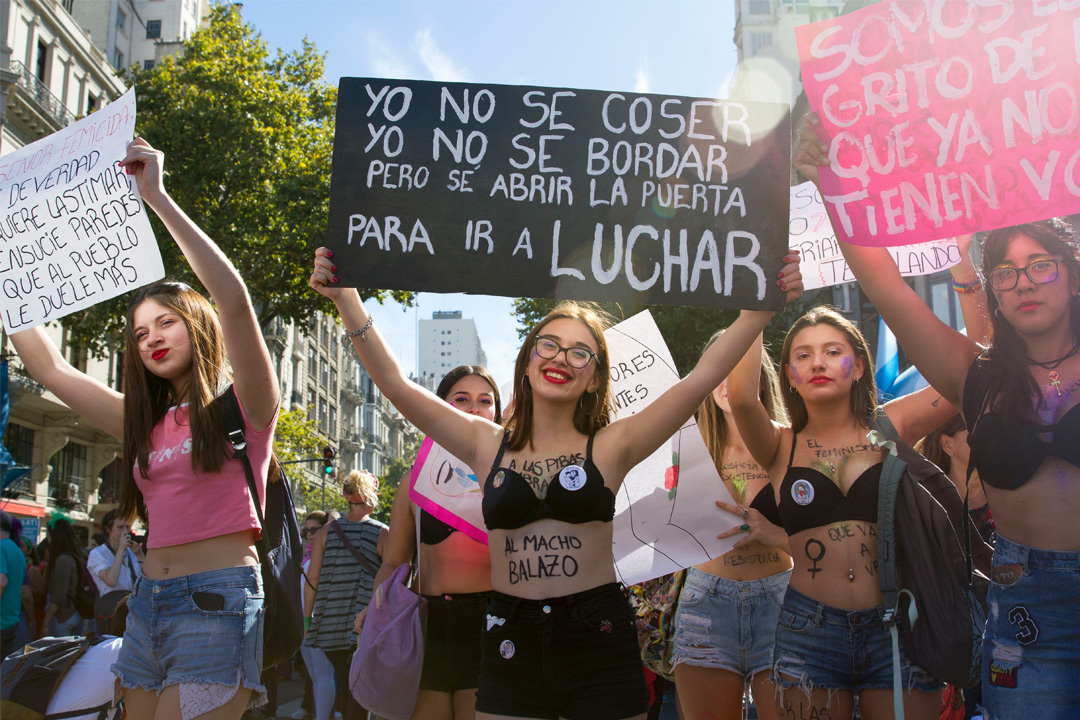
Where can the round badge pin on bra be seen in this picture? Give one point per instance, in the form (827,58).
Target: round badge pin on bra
(499,477)
(572,477)
(802,492)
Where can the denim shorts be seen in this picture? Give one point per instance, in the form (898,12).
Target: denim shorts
(452,641)
(819,646)
(200,629)
(574,657)
(728,624)
(1031,646)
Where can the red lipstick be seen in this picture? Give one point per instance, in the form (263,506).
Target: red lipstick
(158,354)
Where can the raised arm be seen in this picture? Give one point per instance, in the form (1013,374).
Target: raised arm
(461,434)
(759,432)
(969,288)
(639,435)
(942,354)
(914,416)
(90,398)
(253,372)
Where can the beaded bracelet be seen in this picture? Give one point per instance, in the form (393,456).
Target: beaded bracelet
(965,288)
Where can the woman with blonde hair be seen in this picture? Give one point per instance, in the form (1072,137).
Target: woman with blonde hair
(339,584)
(559,638)
(726,618)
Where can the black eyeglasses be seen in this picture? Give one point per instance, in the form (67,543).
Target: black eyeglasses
(576,357)
(1038,272)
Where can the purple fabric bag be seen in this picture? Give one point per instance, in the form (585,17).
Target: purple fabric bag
(385,672)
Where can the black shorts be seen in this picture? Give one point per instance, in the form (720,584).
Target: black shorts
(452,641)
(575,657)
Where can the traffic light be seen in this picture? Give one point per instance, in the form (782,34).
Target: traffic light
(328,460)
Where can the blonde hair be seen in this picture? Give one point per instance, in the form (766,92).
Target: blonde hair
(364,484)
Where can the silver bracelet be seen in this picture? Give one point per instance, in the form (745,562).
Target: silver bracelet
(362,332)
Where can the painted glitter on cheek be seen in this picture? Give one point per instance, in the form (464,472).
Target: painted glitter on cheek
(795,378)
(847,366)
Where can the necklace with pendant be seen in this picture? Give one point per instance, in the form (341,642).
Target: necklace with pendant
(828,461)
(1052,366)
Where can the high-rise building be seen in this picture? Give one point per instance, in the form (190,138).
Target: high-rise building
(139,32)
(446,341)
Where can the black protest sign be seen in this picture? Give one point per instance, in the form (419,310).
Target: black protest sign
(542,192)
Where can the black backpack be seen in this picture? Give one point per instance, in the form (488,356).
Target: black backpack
(30,676)
(279,548)
(86,593)
(934,590)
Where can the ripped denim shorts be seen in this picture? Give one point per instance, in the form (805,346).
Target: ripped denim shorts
(202,632)
(727,624)
(819,646)
(1031,646)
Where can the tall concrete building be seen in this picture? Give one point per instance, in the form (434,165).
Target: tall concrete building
(139,32)
(446,341)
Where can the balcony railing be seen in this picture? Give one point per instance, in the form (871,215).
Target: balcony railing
(37,89)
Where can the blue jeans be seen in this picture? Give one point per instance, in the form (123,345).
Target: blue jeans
(1031,646)
(71,626)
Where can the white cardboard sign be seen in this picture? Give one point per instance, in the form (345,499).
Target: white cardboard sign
(73,230)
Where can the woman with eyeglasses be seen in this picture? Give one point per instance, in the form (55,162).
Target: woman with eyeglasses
(559,638)
(455,573)
(1019,399)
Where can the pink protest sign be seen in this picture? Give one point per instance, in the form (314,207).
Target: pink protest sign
(946,117)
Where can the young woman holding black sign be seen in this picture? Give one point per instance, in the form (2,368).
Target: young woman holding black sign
(726,619)
(455,573)
(559,640)
(1019,400)
(193,645)
(831,643)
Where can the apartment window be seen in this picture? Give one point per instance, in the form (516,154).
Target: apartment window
(333,380)
(20,441)
(333,421)
(91,103)
(69,5)
(760,7)
(322,415)
(118,60)
(121,18)
(153,29)
(42,61)
(759,41)
(311,359)
(147,64)
(324,373)
(69,469)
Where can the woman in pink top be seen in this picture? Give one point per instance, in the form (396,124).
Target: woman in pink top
(193,642)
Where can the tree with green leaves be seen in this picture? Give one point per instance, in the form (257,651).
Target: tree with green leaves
(685,329)
(248,140)
(390,482)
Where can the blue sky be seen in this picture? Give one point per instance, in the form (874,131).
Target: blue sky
(671,47)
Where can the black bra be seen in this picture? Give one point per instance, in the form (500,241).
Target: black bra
(765,503)
(1008,461)
(577,494)
(433,530)
(809,499)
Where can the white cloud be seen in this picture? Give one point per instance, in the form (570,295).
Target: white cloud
(440,66)
(385,61)
(641,79)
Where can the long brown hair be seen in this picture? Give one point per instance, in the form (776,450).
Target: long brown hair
(586,422)
(711,421)
(148,397)
(451,379)
(863,391)
(1012,385)
(930,446)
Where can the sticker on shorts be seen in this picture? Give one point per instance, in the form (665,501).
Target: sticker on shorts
(802,492)
(506,649)
(498,481)
(1003,677)
(1028,631)
(492,621)
(572,477)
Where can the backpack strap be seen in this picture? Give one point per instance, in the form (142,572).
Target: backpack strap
(892,469)
(233,421)
(99,711)
(364,563)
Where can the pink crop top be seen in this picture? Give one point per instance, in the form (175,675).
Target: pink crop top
(185,505)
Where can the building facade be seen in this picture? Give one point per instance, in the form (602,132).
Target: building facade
(139,32)
(446,341)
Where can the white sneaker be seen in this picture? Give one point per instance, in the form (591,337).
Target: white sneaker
(299,714)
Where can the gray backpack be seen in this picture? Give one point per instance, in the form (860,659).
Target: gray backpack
(933,567)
